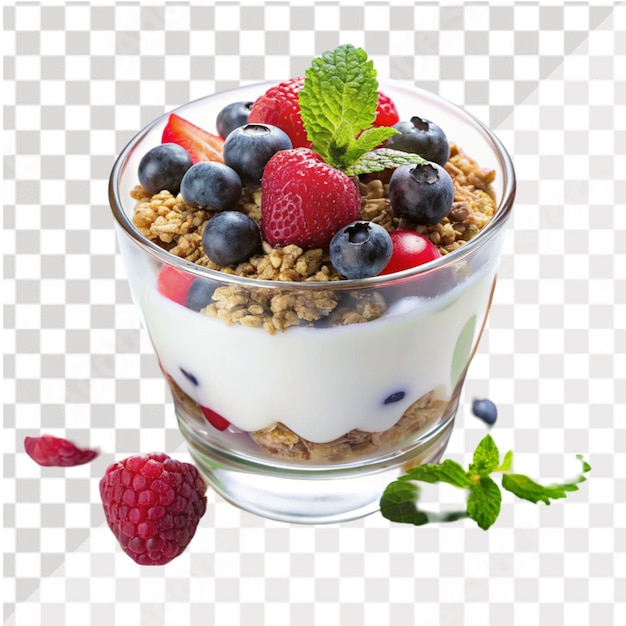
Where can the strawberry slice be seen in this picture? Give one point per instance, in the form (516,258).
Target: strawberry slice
(199,143)
(174,284)
(215,419)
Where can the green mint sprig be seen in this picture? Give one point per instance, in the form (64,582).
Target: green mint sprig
(382,159)
(399,500)
(338,106)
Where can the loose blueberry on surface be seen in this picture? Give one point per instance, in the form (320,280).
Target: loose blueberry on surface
(230,237)
(360,249)
(486,410)
(190,377)
(200,294)
(410,249)
(248,149)
(394,397)
(163,167)
(211,184)
(421,193)
(422,137)
(232,116)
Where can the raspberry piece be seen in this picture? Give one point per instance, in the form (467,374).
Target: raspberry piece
(305,201)
(386,112)
(153,504)
(51,451)
(215,419)
(279,107)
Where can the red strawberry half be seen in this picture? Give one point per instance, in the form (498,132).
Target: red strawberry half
(305,201)
(279,106)
(199,143)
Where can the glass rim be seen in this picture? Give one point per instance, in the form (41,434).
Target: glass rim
(503,209)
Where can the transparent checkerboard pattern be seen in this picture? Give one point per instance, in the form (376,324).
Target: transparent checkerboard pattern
(79,81)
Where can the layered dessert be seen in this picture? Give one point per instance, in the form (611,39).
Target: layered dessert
(310,316)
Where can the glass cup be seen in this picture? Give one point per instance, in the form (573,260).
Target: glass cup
(309,424)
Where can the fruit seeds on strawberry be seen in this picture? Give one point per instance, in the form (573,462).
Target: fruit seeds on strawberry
(305,201)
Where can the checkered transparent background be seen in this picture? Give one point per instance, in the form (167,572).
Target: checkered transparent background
(79,80)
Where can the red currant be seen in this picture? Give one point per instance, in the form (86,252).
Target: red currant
(410,249)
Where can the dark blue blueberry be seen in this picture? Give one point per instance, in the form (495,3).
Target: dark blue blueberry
(394,397)
(422,137)
(213,185)
(233,116)
(421,193)
(163,167)
(230,237)
(486,410)
(199,294)
(248,149)
(360,249)
(190,377)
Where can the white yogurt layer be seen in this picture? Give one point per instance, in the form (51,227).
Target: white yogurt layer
(321,383)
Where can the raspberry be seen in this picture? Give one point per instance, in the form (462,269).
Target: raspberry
(305,201)
(279,107)
(153,504)
(386,112)
(51,451)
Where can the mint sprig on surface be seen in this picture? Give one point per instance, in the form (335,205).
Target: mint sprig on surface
(399,502)
(338,106)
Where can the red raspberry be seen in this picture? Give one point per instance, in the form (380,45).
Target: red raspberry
(386,112)
(279,106)
(51,451)
(305,201)
(153,504)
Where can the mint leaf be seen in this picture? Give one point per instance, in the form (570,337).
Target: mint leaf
(507,462)
(399,504)
(486,457)
(338,100)
(446,472)
(483,503)
(382,159)
(527,489)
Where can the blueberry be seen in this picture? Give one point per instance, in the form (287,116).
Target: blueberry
(394,397)
(233,116)
(230,237)
(486,410)
(209,184)
(248,149)
(422,137)
(360,249)
(163,167)
(421,193)
(190,377)
(199,294)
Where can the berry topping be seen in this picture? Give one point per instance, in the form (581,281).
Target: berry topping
(215,419)
(361,249)
(153,504)
(189,376)
(410,249)
(174,284)
(199,143)
(248,149)
(230,237)
(486,410)
(200,294)
(305,201)
(421,193)
(51,451)
(386,112)
(163,167)
(422,137)
(394,397)
(232,116)
(279,106)
(211,185)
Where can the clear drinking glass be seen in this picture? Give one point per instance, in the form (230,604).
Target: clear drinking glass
(319,418)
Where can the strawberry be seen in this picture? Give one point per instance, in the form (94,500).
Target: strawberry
(279,106)
(174,284)
(305,201)
(199,143)
(386,112)
(215,419)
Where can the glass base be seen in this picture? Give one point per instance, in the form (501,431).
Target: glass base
(312,497)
